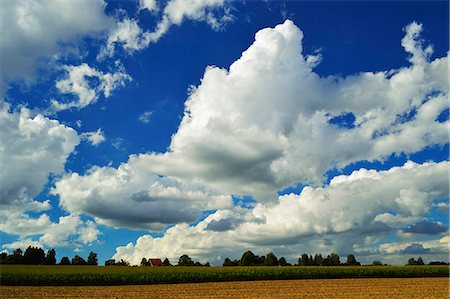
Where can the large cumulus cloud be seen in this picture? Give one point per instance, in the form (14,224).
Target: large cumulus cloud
(350,214)
(269,122)
(262,125)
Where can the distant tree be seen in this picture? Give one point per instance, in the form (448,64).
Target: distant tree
(122,262)
(271,260)
(3,256)
(282,262)
(332,260)
(78,260)
(185,260)
(411,262)
(377,263)
(227,262)
(259,260)
(50,258)
(437,263)
(111,262)
(144,262)
(248,259)
(92,259)
(64,261)
(15,258)
(351,261)
(34,256)
(166,262)
(420,261)
(318,260)
(304,260)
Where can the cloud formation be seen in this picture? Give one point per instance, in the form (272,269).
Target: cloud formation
(261,125)
(77,83)
(33,33)
(131,196)
(31,149)
(95,138)
(132,37)
(341,217)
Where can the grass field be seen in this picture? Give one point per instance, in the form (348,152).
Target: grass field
(430,287)
(117,275)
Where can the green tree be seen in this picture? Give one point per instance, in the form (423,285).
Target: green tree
(50,258)
(64,261)
(34,256)
(3,256)
(248,259)
(271,260)
(351,261)
(420,261)
(411,262)
(111,262)
(78,260)
(304,260)
(144,262)
(332,260)
(166,262)
(15,258)
(122,262)
(318,260)
(282,262)
(227,262)
(92,259)
(377,263)
(185,260)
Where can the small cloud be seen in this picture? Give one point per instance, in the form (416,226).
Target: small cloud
(118,144)
(415,248)
(146,117)
(95,138)
(426,227)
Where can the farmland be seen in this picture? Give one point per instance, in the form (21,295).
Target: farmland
(310,288)
(119,275)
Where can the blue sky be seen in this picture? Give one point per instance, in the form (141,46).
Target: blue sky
(159,128)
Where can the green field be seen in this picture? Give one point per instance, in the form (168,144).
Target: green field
(118,275)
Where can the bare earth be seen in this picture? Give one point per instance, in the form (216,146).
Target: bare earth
(318,288)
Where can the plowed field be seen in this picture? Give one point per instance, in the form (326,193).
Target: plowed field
(314,288)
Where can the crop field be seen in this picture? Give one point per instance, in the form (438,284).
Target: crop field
(309,288)
(118,275)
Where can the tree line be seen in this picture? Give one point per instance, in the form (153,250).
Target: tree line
(37,256)
(250,259)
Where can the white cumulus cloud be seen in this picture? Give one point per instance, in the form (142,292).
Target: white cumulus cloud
(32,33)
(95,138)
(77,83)
(341,217)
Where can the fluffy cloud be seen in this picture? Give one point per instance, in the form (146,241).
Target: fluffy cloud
(31,149)
(132,37)
(77,83)
(32,32)
(261,125)
(95,138)
(132,196)
(341,217)
(69,231)
(150,5)
(426,227)
(145,117)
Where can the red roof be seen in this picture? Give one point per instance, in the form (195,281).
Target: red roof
(155,262)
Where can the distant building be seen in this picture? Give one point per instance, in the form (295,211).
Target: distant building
(155,262)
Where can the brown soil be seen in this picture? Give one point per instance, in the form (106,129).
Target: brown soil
(318,288)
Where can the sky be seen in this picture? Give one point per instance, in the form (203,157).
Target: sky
(210,127)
